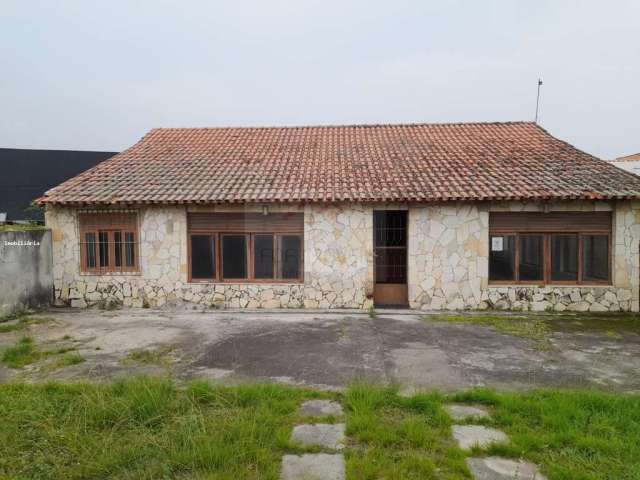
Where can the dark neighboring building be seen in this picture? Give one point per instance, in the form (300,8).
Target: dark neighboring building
(26,174)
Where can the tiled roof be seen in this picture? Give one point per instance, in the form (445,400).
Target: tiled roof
(364,163)
(629,158)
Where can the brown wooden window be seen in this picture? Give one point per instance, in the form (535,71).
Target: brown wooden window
(550,248)
(108,242)
(230,247)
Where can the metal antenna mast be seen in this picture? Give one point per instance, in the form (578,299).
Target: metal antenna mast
(538,99)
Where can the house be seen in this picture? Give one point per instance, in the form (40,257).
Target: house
(27,174)
(630,163)
(431,216)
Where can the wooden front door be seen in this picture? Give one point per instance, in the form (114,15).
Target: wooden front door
(390,258)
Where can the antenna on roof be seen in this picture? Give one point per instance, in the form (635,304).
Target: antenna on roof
(538,99)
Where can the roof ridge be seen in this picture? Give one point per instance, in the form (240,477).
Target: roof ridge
(349,125)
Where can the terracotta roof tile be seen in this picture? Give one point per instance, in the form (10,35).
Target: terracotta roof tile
(418,162)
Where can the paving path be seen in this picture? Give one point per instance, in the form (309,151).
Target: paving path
(330,437)
(487,468)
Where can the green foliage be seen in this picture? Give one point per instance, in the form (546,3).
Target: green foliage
(159,356)
(152,428)
(397,437)
(26,352)
(22,353)
(534,327)
(19,321)
(372,313)
(570,434)
(145,428)
(69,359)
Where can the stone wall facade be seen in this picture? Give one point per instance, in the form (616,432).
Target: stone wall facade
(333,236)
(448,250)
(448,255)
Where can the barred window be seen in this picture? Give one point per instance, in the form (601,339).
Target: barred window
(108,242)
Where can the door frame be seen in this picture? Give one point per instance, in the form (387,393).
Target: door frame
(391,294)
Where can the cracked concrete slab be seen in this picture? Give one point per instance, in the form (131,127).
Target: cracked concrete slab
(464,412)
(330,436)
(469,436)
(496,468)
(331,349)
(320,408)
(317,466)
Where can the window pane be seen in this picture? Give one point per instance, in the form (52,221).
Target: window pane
(531,257)
(290,256)
(90,249)
(203,262)
(502,257)
(391,265)
(234,256)
(117,244)
(564,257)
(390,228)
(263,256)
(129,249)
(103,248)
(595,257)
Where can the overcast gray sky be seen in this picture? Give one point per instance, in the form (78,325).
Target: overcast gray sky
(97,75)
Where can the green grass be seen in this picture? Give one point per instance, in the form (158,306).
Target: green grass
(69,359)
(539,327)
(150,428)
(534,327)
(159,356)
(22,353)
(573,435)
(393,437)
(145,429)
(26,352)
(19,321)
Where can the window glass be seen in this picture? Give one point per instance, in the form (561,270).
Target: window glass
(531,263)
(90,246)
(103,248)
(117,245)
(290,258)
(595,257)
(564,258)
(129,249)
(263,256)
(391,265)
(390,228)
(203,263)
(502,257)
(234,256)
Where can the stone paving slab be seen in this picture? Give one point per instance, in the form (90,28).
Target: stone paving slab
(319,434)
(463,412)
(320,408)
(317,466)
(469,435)
(496,468)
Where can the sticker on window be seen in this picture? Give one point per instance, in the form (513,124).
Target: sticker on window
(497,244)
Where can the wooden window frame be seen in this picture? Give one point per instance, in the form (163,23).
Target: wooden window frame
(218,278)
(546,252)
(91,223)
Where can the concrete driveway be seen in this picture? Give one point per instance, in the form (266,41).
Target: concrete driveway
(331,349)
